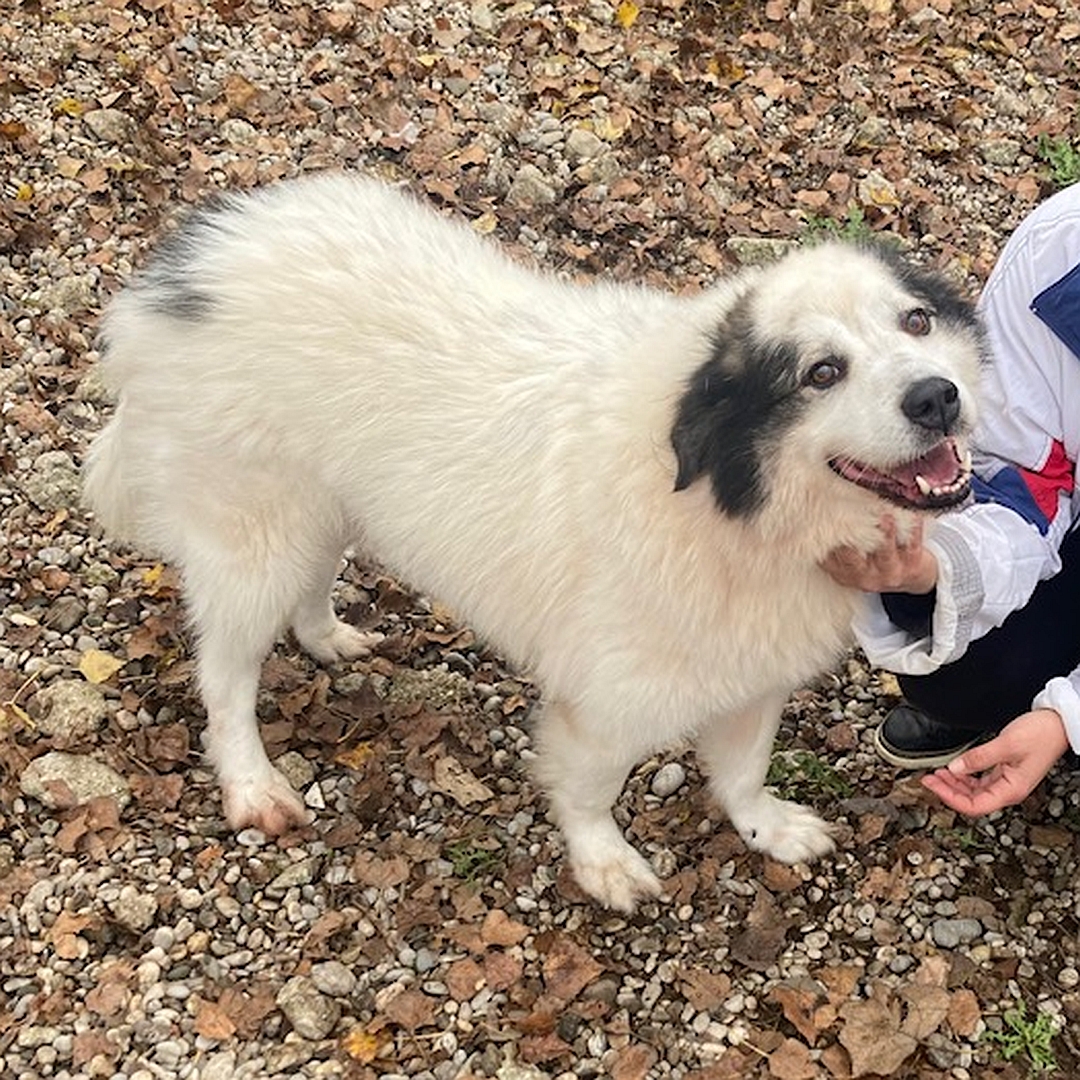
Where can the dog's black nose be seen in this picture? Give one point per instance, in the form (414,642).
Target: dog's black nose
(932,403)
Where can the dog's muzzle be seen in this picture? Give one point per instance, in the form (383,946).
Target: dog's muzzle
(937,480)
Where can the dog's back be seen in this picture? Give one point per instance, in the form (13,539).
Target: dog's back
(331,351)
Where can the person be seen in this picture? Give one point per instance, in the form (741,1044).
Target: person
(978,610)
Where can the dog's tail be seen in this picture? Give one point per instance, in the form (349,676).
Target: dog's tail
(105,490)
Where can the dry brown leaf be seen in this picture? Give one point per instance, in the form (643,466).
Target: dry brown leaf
(705,990)
(568,967)
(791,1061)
(801,1000)
(499,929)
(380,873)
(759,945)
(88,1045)
(213,1022)
(247,1009)
(634,1062)
(502,970)
(64,934)
(108,999)
(964,1013)
(464,978)
(412,1009)
(927,1007)
(872,1037)
(453,779)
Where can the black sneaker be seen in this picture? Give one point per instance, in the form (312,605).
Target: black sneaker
(909,739)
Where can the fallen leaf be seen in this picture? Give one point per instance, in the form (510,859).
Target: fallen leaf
(626,14)
(502,970)
(213,1022)
(927,1007)
(871,1035)
(499,929)
(634,1062)
(964,1013)
(355,757)
(361,1045)
(97,666)
(568,967)
(761,943)
(791,1061)
(411,1009)
(453,779)
(380,873)
(705,990)
(801,1000)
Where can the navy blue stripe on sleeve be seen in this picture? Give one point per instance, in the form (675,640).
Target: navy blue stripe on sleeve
(1059,307)
(1007,488)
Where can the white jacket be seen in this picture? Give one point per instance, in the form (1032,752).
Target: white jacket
(993,553)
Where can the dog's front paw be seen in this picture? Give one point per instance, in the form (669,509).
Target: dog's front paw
(267,802)
(786,831)
(617,877)
(340,642)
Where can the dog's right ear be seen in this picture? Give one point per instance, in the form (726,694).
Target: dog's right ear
(692,431)
(736,405)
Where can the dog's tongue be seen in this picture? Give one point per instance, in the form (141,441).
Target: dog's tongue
(937,468)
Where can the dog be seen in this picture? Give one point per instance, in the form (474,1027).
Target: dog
(627,492)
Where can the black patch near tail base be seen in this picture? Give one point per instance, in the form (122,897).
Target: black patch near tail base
(169,281)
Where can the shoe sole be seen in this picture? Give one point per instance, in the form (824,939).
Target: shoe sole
(924,760)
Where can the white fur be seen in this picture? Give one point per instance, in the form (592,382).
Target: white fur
(371,373)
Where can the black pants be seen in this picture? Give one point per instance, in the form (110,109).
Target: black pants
(995,680)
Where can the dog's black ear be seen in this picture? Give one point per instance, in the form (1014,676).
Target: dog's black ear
(693,427)
(736,405)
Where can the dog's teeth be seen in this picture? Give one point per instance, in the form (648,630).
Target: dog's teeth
(923,484)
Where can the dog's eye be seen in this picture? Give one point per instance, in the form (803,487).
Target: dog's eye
(825,373)
(916,322)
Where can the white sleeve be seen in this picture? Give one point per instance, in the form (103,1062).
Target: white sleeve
(1063,695)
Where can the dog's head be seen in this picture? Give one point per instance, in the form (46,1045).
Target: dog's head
(841,372)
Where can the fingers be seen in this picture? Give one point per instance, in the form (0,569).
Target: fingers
(971,799)
(979,758)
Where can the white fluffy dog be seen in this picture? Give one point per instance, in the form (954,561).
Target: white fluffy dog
(629,492)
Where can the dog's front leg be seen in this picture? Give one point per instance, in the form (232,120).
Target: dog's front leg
(735,749)
(253,791)
(583,775)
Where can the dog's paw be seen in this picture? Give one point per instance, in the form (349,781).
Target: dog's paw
(341,642)
(786,831)
(267,802)
(617,878)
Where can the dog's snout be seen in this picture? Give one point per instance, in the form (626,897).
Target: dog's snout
(932,403)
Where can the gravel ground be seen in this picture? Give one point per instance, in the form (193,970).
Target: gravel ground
(425,926)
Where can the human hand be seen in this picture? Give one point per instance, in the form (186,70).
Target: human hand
(894,566)
(1005,770)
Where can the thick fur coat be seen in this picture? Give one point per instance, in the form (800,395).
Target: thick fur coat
(627,492)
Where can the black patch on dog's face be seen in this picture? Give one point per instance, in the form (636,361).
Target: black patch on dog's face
(937,293)
(737,403)
(170,280)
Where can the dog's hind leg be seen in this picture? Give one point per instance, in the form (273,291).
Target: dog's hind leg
(241,584)
(735,750)
(319,631)
(583,776)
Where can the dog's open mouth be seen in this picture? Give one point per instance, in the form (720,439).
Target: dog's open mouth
(935,481)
